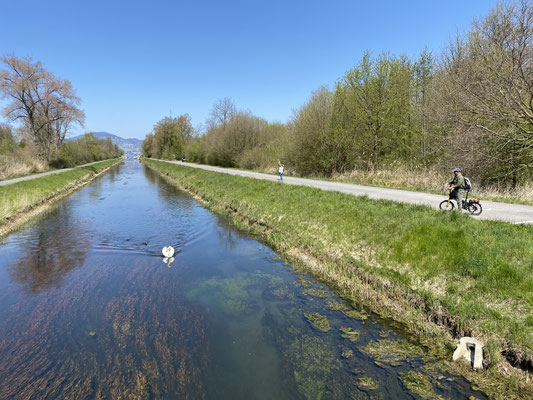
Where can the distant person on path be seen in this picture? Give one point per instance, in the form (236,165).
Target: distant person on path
(281,169)
(455,186)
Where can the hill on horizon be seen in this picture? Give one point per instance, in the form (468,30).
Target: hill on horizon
(130,146)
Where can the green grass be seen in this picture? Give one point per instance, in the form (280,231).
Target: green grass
(479,274)
(21,196)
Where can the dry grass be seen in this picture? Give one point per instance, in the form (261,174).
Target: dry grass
(431,180)
(524,193)
(11,167)
(400,177)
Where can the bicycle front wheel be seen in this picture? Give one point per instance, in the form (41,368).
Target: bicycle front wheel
(446,205)
(475,208)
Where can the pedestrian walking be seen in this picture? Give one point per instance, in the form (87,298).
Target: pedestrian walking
(281,169)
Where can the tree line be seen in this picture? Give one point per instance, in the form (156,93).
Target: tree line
(44,107)
(470,106)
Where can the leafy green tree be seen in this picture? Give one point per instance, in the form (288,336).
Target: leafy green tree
(372,113)
(423,72)
(195,150)
(313,148)
(86,149)
(170,137)
(148,146)
(7,141)
(272,145)
(241,133)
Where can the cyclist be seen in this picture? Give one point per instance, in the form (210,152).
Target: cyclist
(455,187)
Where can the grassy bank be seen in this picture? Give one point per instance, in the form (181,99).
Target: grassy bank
(441,274)
(19,198)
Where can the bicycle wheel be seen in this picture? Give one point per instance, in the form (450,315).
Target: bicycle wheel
(475,208)
(446,205)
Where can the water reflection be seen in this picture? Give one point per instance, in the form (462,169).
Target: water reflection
(168,261)
(57,247)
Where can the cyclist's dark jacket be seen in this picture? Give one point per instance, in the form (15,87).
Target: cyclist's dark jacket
(459,183)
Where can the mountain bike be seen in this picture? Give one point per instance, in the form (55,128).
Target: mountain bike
(473,206)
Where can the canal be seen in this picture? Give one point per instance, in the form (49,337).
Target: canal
(90,310)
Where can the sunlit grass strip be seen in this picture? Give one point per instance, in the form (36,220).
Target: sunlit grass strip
(474,277)
(22,196)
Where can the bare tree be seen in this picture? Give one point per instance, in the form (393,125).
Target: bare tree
(45,105)
(221,113)
(487,87)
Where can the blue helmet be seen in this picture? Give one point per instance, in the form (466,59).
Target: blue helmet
(456,170)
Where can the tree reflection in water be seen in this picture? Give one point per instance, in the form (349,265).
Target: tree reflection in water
(59,246)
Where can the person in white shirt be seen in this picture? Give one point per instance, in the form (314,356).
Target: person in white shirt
(280,170)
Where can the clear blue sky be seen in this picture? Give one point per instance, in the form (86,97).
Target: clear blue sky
(133,63)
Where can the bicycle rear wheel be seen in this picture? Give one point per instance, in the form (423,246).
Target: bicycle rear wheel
(446,205)
(475,208)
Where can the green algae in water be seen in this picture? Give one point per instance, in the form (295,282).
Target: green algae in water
(347,353)
(313,362)
(391,352)
(318,321)
(367,383)
(337,306)
(277,293)
(315,293)
(350,334)
(355,314)
(304,282)
(420,385)
(231,294)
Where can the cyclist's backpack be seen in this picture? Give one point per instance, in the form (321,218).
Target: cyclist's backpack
(468,185)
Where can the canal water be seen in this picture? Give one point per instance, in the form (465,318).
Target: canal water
(90,310)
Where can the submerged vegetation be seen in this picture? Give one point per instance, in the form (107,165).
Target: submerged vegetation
(318,321)
(420,385)
(391,352)
(402,261)
(231,294)
(314,364)
(350,334)
(314,293)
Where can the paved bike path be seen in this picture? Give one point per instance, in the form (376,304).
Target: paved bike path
(514,213)
(29,177)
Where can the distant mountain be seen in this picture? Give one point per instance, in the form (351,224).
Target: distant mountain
(131,146)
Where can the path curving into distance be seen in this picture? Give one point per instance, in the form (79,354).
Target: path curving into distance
(514,213)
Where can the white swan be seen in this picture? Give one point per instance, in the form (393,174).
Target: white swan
(168,251)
